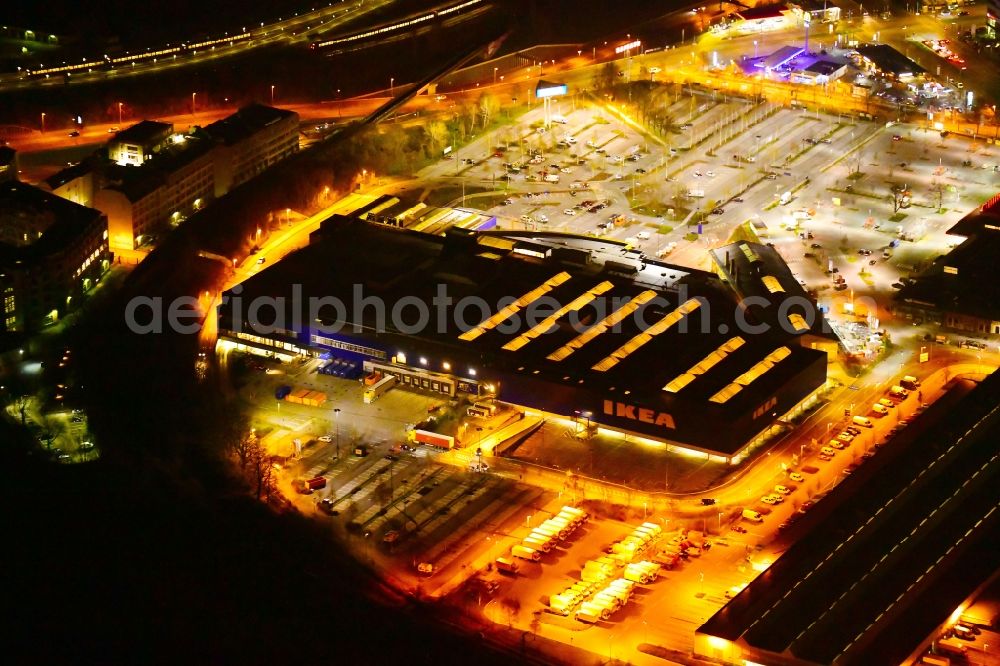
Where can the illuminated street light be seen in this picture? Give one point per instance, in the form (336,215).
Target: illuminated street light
(119,114)
(272,95)
(43,122)
(336,419)
(194,100)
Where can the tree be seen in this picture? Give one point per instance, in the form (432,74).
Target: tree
(438,136)
(513,606)
(260,469)
(938,188)
(606,77)
(487,107)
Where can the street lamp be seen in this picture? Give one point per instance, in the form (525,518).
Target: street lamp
(43,122)
(336,420)
(194,99)
(272,95)
(119,114)
(495,75)
(392,81)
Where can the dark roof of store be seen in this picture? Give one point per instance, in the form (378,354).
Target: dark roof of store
(759,271)
(828,597)
(973,289)
(488,267)
(762,12)
(888,59)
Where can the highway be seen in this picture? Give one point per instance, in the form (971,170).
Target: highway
(295,29)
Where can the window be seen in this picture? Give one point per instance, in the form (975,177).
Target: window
(347,346)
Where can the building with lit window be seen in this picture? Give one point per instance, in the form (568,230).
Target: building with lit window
(52,252)
(8,164)
(138,143)
(250,141)
(555,323)
(76,183)
(154,177)
(992,19)
(143,201)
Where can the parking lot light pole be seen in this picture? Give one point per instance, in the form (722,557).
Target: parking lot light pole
(336,420)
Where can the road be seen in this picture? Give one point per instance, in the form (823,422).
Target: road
(295,29)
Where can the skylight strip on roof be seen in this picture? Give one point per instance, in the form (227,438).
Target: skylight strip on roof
(604,325)
(576,304)
(751,375)
(642,338)
(515,307)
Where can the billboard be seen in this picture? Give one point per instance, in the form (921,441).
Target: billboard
(547,89)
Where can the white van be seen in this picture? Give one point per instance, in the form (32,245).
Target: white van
(862,421)
(881,410)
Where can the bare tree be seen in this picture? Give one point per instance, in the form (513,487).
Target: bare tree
(606,77)
(938,189)
(513,606)
(260,469)
(487,107)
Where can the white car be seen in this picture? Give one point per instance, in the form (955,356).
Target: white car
(769,499)
(795,476)
(784,490)
(591,144)
(566,170)
(642,235)
(542,217)
(570,139)
(710,174)
(569,211)
(325,438)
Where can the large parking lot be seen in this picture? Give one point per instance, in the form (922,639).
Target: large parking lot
(852,206)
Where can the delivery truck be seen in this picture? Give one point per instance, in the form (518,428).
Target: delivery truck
(373,392)
(591,609)
(752,516)
(434,439)
(577,512)
(538,543)
(638,574)
(525,553)
(506,565)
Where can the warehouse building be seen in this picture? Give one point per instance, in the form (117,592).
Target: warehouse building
(958,291)
(555,323)
(874,573)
